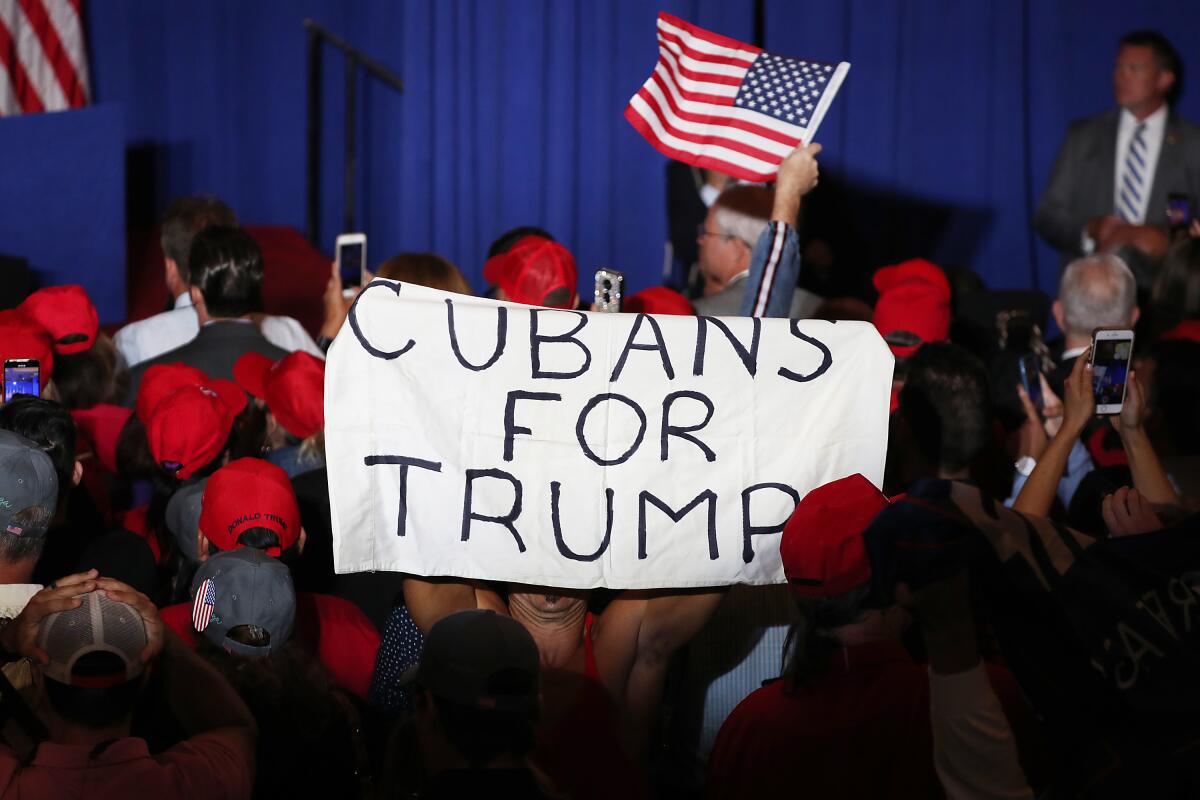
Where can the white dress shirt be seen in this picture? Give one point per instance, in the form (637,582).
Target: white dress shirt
(153,336)
(1156,128)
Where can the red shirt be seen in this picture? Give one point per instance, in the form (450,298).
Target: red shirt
(332,629)
(860,730)
(203,766)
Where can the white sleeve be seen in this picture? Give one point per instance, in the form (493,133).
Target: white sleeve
(288,334)
(973,748)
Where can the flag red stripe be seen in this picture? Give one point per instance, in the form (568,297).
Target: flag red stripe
(52,48)
(25,93)
(701,56)
(719,118)
(732,144)
(646,131)
(708,36)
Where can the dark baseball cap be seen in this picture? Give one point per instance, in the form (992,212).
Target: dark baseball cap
(480,659)
(244,587)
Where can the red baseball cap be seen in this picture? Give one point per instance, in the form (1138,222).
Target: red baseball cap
(249,493)
(22,337)
(658,300)
(822,546)
(292,387)
(531,270)
(914,301)
(161,380)
(188,428)
(67,314)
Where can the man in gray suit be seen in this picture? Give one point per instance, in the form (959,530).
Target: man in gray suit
(226,288)
(1109,186)
(748,218)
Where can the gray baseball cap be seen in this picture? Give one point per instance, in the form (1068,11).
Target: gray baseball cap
(244,587)
(183,518)
(96,645)
(28,487)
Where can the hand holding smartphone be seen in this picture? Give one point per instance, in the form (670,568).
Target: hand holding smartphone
(1112,351)
(609,286)
(22,376)
(351,257)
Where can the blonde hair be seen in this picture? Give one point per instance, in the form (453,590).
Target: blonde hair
(425,269)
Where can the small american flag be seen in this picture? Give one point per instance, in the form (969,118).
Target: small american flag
(43,61)
(715,102)
(202,605)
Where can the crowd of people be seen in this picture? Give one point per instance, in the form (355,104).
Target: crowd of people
(1010,615)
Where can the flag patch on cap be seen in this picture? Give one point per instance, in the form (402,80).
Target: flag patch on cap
(202,605)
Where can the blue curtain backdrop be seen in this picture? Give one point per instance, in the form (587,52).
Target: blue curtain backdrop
(943,134)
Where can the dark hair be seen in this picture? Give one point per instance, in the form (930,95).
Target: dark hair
(48,425)
(480,735)
(424,269)
(945,401)
(227,268)
(306,735)
(505,241)
(258,538)
(809,644)
(91,377)
(1176,290)
(1165,55)
(184,218)
(94,707)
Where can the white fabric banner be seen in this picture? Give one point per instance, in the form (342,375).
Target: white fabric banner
(480,439)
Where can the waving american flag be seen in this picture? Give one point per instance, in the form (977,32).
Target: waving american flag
(715,102)
(43,60)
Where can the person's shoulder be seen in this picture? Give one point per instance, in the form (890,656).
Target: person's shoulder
(1184,128)
(724,303)
(1091,124)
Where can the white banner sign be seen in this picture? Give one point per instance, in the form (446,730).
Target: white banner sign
(480,439)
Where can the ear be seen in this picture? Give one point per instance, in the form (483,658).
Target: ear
(201,546)
(1057,310)
(1166,79)
(302,540)
(1135,316)
(197,298)
(77,473)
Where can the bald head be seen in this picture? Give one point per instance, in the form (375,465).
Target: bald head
(1098,291)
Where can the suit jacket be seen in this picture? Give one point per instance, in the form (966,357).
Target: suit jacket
(1083,178)
(214,350)
(728,302)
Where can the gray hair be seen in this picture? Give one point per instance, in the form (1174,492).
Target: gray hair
(1097,291)
(739,225)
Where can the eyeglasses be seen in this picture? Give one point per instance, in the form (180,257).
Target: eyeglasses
(701,233)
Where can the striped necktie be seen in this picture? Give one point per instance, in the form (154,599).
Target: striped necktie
(1131,194)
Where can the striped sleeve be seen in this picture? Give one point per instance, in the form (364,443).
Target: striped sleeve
(774,270)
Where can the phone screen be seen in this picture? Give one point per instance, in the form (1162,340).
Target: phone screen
(1031,378)
(1179,210)
(1110,369)
(350,256)
(23,379)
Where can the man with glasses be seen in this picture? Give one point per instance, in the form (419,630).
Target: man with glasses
(748,245)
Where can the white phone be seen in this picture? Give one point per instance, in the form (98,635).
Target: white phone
(352,259)
(1112,350)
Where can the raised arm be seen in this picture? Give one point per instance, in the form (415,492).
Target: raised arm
(1037,495)
(775,261)
(430,599)
(1149,477)
(637,634)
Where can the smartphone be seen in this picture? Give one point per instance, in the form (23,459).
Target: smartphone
(1031,378)
(1179,210)
(1112,349)
(352,258)
(22,376)
(609,285)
